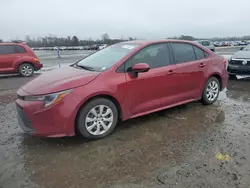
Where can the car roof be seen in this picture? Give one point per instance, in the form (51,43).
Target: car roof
(147,42)
(12,43)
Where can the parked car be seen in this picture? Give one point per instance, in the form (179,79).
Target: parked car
(102,46)
(18,58)
(239,63)
(207,44)
(120,82)
(217,44)
(94,47)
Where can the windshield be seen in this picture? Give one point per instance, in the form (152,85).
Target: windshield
(106,58)
(247,48)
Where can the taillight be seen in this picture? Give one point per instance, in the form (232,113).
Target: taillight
(36,59)
(225,63)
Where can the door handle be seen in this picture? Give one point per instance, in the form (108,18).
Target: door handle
(170,72)
(202,65)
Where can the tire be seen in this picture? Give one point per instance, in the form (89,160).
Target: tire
(232,77)
(26,70)
(95,123)
(213,85)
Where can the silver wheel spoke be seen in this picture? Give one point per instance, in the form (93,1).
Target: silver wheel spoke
(104,126)
(107,113)
(90,128)
(88,119)
(97,129)
(108,119)
(101,107)
(93,111)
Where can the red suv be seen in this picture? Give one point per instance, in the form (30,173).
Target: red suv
(18,58)
(120,82)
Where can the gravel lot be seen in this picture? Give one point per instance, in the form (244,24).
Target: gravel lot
(188,146)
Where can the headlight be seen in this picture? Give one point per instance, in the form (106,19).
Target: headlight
(48,99)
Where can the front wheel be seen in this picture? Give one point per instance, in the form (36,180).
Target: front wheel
(211,91)
(97,119)
(26,70)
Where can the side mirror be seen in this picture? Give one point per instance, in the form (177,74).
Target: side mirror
(241,48)
(139,68)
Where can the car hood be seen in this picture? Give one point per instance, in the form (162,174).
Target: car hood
(59,80)
(242,55)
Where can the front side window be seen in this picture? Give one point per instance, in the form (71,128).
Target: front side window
(156,55)
(183,52)
(7,49)
(107,57)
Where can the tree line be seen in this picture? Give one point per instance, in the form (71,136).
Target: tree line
(51,41)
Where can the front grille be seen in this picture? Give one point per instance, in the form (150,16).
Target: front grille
(20,97)
(238,71)
(24,118)
(239,62)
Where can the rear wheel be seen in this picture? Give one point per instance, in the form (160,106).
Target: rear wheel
(211,91)
(97,119)
(26,70)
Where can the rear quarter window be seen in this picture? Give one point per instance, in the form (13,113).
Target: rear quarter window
(199,53)
(20,49)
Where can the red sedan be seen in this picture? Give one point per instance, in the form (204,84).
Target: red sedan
(120,82)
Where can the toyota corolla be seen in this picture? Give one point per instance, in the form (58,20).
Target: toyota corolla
(120,82)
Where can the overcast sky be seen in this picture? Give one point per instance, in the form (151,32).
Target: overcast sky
(147,19)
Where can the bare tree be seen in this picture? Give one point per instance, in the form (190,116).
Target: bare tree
(105,38)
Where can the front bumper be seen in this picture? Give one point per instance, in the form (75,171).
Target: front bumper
(55,121)
(238,70)
(38,66)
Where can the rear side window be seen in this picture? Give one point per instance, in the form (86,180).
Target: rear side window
(7,49)
(200,54)
(20,49)
(183,52)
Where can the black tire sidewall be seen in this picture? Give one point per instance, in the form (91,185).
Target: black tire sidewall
(204,96)
(80,122)
(25,64)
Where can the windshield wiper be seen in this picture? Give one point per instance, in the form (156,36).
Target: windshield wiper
(86,67)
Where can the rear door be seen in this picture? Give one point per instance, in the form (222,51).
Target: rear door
(7,57)
(189,70)
(153,89)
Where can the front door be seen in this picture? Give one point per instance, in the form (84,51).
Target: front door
(150,90)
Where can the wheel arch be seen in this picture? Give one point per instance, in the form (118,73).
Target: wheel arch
(218,76)
(23,62)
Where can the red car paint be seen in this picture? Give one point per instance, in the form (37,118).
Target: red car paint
(9,63)
(151,91)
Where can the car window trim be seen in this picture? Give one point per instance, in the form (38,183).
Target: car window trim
(128,61)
